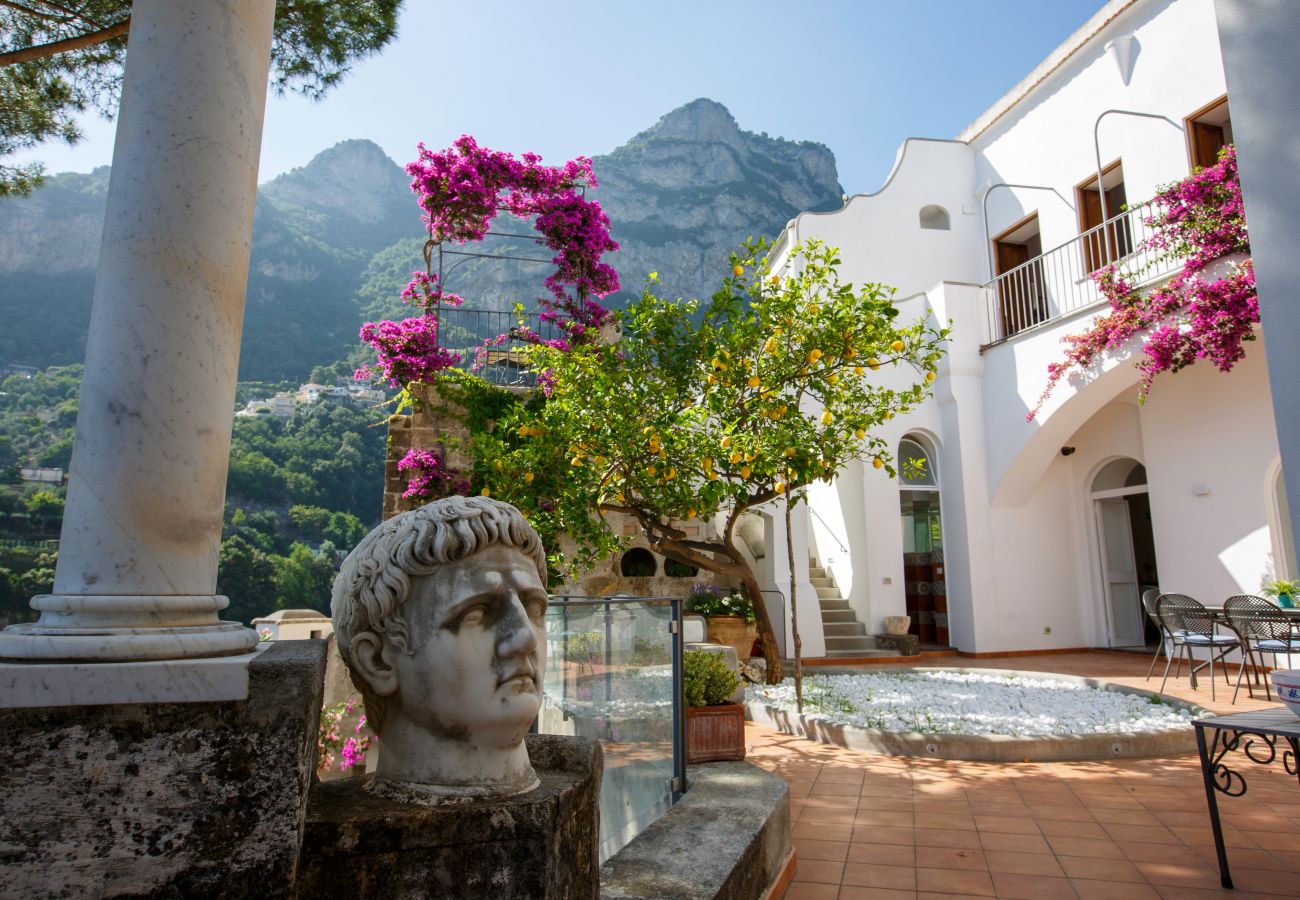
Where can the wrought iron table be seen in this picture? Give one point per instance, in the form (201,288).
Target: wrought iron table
(1257,735)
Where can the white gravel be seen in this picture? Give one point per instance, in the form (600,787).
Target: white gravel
(939,702)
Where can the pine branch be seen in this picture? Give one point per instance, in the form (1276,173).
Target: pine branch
(67,45)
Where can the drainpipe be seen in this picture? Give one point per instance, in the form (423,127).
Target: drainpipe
(1096,145)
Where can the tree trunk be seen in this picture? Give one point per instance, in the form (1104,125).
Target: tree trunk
(766,634)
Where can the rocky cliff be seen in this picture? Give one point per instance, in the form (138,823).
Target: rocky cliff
(334,240)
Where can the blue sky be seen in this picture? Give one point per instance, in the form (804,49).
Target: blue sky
(578,77)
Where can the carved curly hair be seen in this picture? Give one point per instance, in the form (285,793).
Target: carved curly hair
(375,579)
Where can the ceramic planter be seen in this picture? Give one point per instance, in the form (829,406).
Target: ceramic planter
(715,733)
(734,632)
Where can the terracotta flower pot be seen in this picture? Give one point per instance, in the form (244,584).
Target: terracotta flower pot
(735,632)
(715,732)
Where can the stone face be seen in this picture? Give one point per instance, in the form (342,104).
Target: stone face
(542,844)
(176,799)
(439,616)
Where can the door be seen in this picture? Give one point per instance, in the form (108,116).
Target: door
(1020,293)
(1119,574)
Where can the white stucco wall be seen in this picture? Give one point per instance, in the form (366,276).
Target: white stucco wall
(1020,531)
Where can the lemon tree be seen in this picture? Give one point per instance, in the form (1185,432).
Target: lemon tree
(706,410)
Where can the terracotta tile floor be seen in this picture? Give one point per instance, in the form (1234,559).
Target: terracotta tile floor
(867,825)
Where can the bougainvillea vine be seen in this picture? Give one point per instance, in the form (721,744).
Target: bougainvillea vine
(460,190)
(1200,220)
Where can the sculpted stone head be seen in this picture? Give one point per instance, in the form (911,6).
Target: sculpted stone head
(438,614)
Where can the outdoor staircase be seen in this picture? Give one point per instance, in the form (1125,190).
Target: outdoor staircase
(845,635)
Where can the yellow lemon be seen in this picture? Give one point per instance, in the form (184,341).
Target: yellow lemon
(713,476)
(750,457)
(857,370)
(753,381)
(706,463)
(576,462)
(670,474)
(850,353)
(775,280)
(898,346)
(738,271)
(690,513)
(813,355)
(769,345)
(736,456)
(832,378)
(860,433)
(790,451)
(485,492)
(713,379)
(929,377)
(744,471)
(726,442)
(828,417)
(528,478)
(779,487)
(652,471)
(877,463)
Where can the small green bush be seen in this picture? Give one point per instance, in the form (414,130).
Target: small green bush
(707,681)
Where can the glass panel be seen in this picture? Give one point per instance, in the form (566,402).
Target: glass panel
(1121,574)
(609,676)
(914,466)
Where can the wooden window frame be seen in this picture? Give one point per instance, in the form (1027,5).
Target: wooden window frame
(1189,121)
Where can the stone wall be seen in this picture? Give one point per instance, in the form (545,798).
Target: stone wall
(436,425)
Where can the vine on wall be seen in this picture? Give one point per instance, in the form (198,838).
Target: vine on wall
(1200,220)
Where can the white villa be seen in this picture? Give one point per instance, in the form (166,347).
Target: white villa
(1042,535)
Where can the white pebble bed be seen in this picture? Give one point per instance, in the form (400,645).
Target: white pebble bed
(939,702)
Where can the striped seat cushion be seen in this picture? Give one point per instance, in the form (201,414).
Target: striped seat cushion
(1270,646)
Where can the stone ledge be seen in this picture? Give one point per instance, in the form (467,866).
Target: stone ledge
(728,838)
(163,799)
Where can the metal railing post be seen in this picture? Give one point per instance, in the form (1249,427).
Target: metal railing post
(679,702)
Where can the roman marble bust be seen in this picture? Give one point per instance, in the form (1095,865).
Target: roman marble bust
(438,614)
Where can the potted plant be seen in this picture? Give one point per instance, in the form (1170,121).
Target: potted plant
(715,725)
(729,614)
(1284,589)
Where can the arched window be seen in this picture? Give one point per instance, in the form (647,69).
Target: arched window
(935,218)
(638,562)
(915,468)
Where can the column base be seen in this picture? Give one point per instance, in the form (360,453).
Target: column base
(118,628)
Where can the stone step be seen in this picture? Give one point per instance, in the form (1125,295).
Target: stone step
(818,581)
(850,642)
(829,603)
(829,592)
(838,616)
(817,572)
(843,629)
(843,654)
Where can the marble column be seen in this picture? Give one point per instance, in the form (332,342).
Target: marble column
(1258,39)
(137,570)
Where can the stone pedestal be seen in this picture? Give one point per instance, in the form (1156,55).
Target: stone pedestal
(542,844)
(166,799)
(906,644)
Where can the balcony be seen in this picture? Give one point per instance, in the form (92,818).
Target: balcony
(1057,284)
(469,333)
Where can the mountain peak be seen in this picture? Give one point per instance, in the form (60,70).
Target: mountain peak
(699,120)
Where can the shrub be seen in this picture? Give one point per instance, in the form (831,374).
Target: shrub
(707,681)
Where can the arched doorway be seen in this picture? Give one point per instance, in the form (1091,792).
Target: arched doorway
(1127,551)
(924,584)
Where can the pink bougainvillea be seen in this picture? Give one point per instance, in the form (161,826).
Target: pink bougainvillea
(1200,219)
(460,190)
(428,476)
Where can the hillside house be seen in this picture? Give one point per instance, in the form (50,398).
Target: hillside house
(1042,534)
